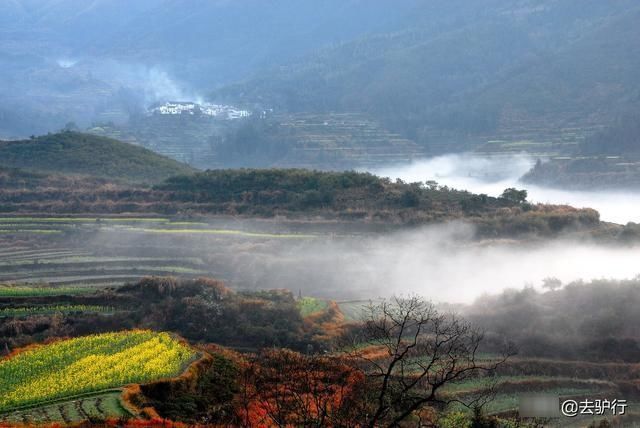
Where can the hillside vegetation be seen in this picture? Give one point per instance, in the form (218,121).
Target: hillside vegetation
(300,195)
(77,153)
(200,310)
(475,72)
(572,321)
(363,196)
(242,386)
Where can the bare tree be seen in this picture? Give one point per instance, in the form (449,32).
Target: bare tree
(413,352)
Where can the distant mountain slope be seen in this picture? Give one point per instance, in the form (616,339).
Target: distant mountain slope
(203,41)
(101,60)
(327,141)
(516,70)
(609,159)
(77,153)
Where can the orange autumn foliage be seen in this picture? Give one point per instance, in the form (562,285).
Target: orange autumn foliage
(285,388)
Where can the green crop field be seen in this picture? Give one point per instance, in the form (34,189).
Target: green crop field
(88,364)
(32,231)
(523,383)
(35,291)
(81,219)
(49,309)
(239,233)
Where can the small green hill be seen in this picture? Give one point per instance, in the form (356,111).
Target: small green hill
(77,153)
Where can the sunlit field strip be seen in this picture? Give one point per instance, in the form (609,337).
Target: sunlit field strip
(81,219)
(27,260)
(53,279)
(101,270)
(40,257)
(33,231)
(87,364)
(27,291)
(223,232)
(35,310)
(30,225)
(24,222)
(476,384)
(26,253)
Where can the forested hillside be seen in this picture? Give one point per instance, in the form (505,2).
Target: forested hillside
(513,71)
(297,195)
(102,60)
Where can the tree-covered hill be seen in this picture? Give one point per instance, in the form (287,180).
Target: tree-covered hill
(292,194)
(354,196)
(77,153)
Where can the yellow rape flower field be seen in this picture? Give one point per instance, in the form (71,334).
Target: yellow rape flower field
(88,364)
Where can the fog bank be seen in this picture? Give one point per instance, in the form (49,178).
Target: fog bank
(441,262)
(491,175)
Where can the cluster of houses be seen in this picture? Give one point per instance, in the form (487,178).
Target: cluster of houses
(219,111)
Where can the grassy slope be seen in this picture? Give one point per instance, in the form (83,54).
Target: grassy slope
(77,153)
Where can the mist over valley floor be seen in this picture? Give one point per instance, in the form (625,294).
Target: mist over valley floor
(479,173)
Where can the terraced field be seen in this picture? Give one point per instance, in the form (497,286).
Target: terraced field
(25,311)
(340,140)
(27,257)
(42,290)
(577,380)
(100,406)
(87,252)
(567,379)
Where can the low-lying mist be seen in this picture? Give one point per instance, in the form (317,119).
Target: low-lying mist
(441,262)
(491,175)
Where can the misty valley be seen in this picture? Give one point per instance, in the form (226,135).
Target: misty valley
(319,214)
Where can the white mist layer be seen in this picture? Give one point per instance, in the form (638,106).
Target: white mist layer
(443,264)
(491,175)
(427,263)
